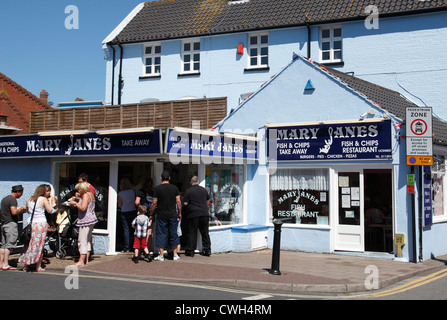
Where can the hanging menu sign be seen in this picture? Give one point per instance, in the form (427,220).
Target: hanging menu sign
(362,140)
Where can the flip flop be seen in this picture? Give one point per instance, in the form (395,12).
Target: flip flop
(9,268)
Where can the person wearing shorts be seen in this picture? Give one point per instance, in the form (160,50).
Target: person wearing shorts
(9,225)
(169,210)
(141,224)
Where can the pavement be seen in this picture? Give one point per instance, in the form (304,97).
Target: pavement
(301,272)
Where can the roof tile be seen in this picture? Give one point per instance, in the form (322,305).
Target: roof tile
(167,19)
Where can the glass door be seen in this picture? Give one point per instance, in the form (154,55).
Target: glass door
(350,224)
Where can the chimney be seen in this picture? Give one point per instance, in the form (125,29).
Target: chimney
(44,96)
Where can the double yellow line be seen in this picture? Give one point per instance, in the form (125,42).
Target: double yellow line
(411,285)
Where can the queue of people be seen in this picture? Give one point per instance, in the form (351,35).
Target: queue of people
(138,216)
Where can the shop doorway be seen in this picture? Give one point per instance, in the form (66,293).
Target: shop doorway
(378,211)
(135,176)
(181,175)
(364,217)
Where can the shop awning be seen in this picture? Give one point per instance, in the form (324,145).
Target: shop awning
(184,145)
(83,143)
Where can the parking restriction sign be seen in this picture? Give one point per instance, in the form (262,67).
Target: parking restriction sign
(419,136)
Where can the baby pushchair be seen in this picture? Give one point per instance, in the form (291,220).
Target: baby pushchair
(65,239)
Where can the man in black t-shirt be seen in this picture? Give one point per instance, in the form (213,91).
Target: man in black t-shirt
(169,211)
(197,199)
(9,228)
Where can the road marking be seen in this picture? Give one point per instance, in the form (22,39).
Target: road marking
(258,297)
(412,284)
(402,288)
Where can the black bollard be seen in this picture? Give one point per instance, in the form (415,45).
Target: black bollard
(276,247)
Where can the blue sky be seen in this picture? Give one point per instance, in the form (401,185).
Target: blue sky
(39,52)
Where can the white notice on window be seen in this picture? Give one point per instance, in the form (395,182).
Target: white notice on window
(343,182)
(355,193)
(346,201)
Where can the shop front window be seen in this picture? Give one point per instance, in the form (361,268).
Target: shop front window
(300,196)
(98,176)
(225,184)
(438,187)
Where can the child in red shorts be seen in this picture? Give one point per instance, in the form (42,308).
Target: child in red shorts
(141,224)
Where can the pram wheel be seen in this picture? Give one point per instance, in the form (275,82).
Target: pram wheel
(61,253)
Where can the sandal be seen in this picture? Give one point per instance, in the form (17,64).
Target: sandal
(9,268)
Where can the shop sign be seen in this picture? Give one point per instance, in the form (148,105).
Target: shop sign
(428,212)
(209,146)
(363,140)
(301,206)
(410,183)
(89,144)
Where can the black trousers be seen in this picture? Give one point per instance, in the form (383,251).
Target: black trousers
(202,224)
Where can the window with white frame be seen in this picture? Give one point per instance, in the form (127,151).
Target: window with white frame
(331,44)
(225,184)
(300,195)
(191,56)
(152,60)
(258,50)
(439,182)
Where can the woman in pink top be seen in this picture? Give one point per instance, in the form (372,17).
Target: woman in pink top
(86,221)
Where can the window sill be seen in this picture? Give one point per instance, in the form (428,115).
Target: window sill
(257,69)
(188,74)
(150,77)
(333,64)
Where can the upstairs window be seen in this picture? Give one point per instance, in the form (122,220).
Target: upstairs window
(258,51)
(152,60)
(331,45)
(191,57)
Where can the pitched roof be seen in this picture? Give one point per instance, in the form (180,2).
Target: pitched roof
(170,19)
(17,103)
(387,99)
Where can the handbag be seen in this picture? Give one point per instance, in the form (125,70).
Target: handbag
(25,236)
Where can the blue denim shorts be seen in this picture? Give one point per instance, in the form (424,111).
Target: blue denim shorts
(166,233)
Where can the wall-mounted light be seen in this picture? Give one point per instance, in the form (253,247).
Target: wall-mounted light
(369,114)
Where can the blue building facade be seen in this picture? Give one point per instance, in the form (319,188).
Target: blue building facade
(284,102)
(400,48)
(269,59)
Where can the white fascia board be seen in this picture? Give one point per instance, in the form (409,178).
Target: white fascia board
(123,24)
